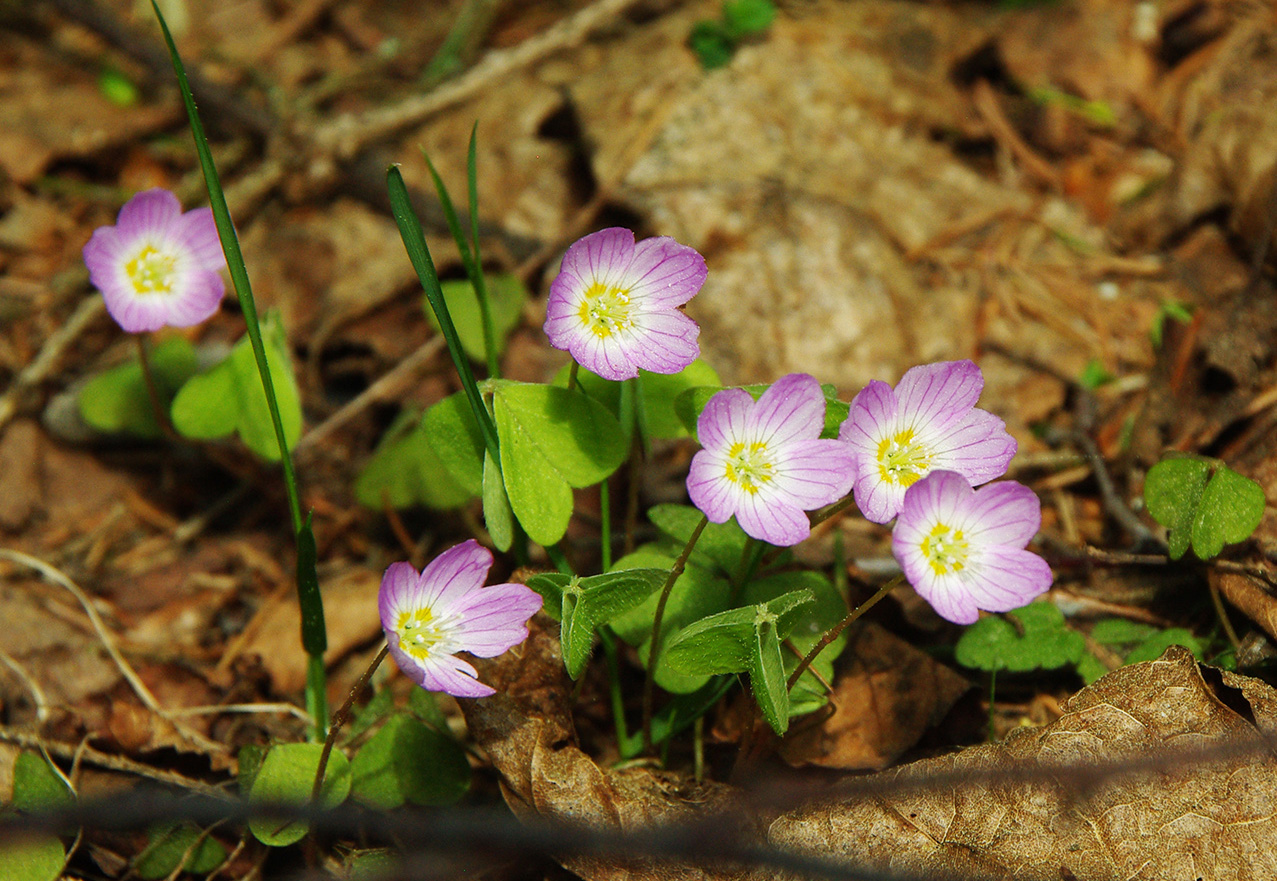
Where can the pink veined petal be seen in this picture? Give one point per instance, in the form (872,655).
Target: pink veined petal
(1008,578)
(723,419)
(939,497)
(609,358)
(199,301)
(135,314)
(766,519)
(792,409)
(196,233)
(950,598)
(709,488)
(664,341)
(450,674)
(871,418)
(877,499)
(399,592)
(564,327)
(101,256)
(978,447)
(664,273)
(449,577)
(1003,514)
(149,214)
(931,395)
(495,619)
(407,664)
(815,472)
(602,256)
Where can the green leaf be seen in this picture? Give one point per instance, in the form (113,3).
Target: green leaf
(767,672)
(1094,375)
(585,603)
(38,858)
(696,594)
(381,706)
(457,441)
(1230,510)
(406,761)
(805,626)
(721,545)
(117,88)
(287,776)
(993,643)
(369,865)
(658,392)
(229,397)
(1155,643)
(1091,668)
(117,401)
(723,643)
(552,440)
(425,706)
(712,44)
(405,471)
(1120,631)
(507,296)
(37,787)
(746,17)
(1202,502)
(168,843)
(249,758)
(497,515)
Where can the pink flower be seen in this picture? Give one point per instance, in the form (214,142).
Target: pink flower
(764,462)
(157,267)
(963,549)
(614,304)
(928,423)
(430,617)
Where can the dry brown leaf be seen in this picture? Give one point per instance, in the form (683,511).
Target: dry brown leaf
(1210,819)
(886,695)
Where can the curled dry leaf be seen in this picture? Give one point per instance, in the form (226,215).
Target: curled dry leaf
(1031,807)
(1098,794)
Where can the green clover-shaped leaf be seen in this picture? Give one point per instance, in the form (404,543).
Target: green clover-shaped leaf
(1203,503)
(1046,643)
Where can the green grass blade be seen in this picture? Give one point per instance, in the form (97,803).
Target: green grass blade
(419,254)
(314,632)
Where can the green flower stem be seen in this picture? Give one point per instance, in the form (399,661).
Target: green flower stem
(153,390)
(833,510)
(340,718)
(314,634)
(415,244)
(837,629)
(654,652)
(608,641)
(605,525)
(572,372)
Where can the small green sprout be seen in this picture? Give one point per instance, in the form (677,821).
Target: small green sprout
(1202,502)
(716,41)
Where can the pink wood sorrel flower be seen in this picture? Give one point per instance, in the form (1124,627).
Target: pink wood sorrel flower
(764,461)
(157,267)
(963,549)
(614,304)
(927,423)
(430,617)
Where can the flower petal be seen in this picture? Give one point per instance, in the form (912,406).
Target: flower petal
(722,421)
(978,447)
(1004,513)
(494,619)
(196,233)
(871,417)
(602,256)
(664,273)
(399,592)
(768,519)
(709,488)
(450,674)
(814,473)
(149,214)
(932,395)
(453,574)
(792,409)
(662,342)
(1008,578)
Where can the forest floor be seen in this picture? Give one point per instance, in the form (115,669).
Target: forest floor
(1080,196)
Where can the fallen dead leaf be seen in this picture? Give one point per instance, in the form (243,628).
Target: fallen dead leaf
(886,695)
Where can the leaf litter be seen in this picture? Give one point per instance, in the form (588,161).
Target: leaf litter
(873,184)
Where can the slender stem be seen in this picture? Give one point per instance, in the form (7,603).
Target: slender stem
(339,720)
(605,525)
(572,372)
(632,495)
(833,510)
(1222,614)
(654,652)
(608,641)
(152,388)
(834,632)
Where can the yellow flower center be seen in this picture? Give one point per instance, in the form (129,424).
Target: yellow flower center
(749,466)
(151,272)
(902,460)
(946,549)
(419,632)
(606,311)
